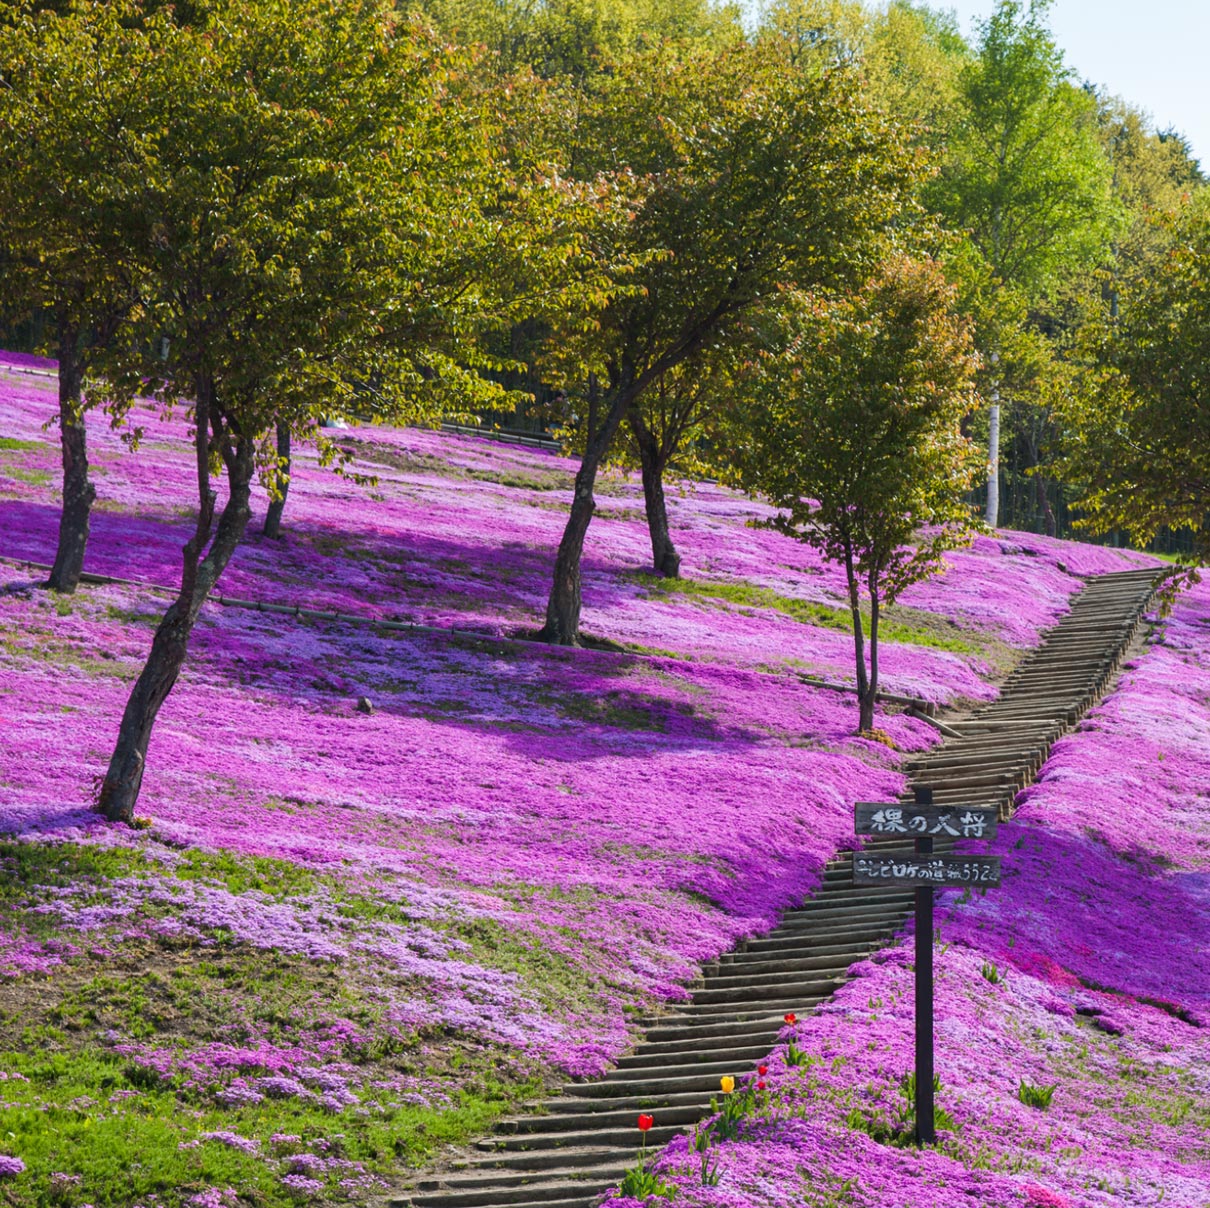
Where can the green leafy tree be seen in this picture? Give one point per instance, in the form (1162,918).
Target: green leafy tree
(913,58)
(1026,176)
(331,233)
(853,430)
(753,172)
(78,102)
(839,29)
(1137,429)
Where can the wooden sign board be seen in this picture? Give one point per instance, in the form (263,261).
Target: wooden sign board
(925,821)
(925,870)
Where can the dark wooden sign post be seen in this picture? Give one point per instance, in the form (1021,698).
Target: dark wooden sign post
(924,871)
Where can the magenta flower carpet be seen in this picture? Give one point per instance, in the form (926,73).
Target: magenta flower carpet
(344,938)
(1083,981)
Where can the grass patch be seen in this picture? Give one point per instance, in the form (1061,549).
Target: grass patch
(10,444)
(896,624)
(125,1129)
(62,864)
(242,874)
(133,616)
(620,709)
(122,1141)
(37,478)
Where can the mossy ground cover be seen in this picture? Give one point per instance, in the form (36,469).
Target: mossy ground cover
(117,1070)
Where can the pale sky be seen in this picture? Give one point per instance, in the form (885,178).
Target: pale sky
(1152,53)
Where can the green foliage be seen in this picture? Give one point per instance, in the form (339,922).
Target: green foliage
(1036,1096)
(575,39)
(991,973)
(707,1162)
(1025,172)
(79,115)
(729,1118)
(640,1183)
(1137,431)
(316,197)
(914,55)
(897,1126)
(853,430)
(1153,173)
(799,1058)
(821,175)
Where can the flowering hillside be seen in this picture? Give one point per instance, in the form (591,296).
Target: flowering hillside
(346,937)
(1073,1003)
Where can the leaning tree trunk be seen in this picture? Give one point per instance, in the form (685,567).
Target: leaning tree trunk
(652,461)
(562,626)
(120,788)
(277,506)
(78,491)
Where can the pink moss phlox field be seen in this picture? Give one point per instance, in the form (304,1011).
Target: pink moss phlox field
(622,816)
(1088,970)
(462,530)
(1123,805)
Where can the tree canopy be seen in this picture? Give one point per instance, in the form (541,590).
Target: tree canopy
(78,111)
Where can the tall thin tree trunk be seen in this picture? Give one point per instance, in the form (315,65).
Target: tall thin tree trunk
(124,777)
(863,682)
(652,461)
(277,506)
(562,626)
(1048,515)
(870,697)
(992,514)
(78,491)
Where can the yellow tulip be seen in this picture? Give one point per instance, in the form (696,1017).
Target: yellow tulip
(728,1084)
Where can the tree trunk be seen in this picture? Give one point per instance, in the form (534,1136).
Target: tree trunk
(992,515)
(78,492)
(652,460)
(562,626)
(870,696)
(865,698)
(277,506)
(1048,516)
(123,779)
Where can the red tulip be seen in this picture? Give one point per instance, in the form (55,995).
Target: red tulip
(790,1018)
(762,1070)
(645,1122)
(760,1086)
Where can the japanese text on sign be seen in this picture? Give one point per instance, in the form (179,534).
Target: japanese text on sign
(926,870)
(959,822)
